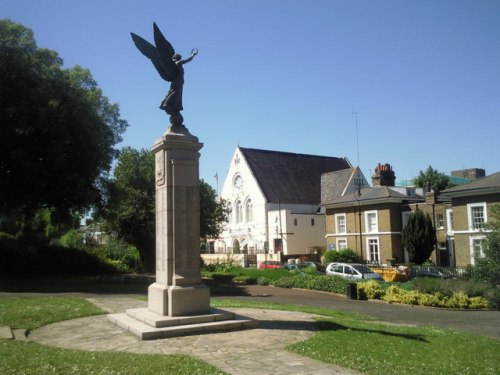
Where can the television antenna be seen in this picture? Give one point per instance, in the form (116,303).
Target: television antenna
(355,115)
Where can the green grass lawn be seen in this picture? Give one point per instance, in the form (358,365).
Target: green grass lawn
(18,357)
(352,341)
(34,312)
(346,339)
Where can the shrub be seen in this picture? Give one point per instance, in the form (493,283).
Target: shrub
(72,239)
(334,284)
(123,252)
(341,256)
(263,281)
(370,290)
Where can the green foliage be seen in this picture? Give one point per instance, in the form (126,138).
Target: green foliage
(334,284)
(58,131)
(341,256)
(374,290)
(264,281)
(129,210)
(118,250)
(22,258)
(213,212)
(418,237)
(437,180)
(72,239)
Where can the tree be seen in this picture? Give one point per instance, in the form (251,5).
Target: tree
(213,213)
(418,237)
(58,131)
(129,208)
(438,181)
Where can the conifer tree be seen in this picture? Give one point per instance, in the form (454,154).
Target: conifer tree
(419,237)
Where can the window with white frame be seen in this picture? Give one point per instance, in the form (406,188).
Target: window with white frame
(476,248)
(440,221)
(476,215)
(340,223)
(449,219)
(341,243)
(371,221)
(373,250)
(405,216)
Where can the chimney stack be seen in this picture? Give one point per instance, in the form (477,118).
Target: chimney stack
(383,175)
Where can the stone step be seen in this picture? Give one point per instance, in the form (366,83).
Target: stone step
(147,332)
(157,321)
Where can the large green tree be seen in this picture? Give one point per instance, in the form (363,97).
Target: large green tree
(129,209)
(437,180)
(57,132)
(213,212)
(418,237)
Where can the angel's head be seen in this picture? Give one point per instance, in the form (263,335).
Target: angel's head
(176,57)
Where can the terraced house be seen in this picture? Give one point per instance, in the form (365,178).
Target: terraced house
(370,219)
(465,219)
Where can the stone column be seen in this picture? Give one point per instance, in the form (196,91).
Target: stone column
(178,290)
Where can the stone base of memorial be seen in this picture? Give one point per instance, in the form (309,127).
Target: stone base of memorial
(178,302)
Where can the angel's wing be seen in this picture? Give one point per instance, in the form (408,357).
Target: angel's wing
(161,57)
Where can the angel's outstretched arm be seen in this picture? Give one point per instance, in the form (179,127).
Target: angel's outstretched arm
(194,52)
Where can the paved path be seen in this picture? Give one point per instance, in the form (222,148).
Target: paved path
(254,351)
(257,351)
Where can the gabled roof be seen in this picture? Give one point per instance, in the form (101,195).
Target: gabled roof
(371,195)
(486,185)
(337,181)
(290,178)
(335,184)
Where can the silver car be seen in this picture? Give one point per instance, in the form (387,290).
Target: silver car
(352,271)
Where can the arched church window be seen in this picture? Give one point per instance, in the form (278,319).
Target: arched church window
(249,210)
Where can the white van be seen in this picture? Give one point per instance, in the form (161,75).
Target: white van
(352,271)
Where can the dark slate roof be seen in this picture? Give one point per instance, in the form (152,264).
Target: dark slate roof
(334,183)
(291,178)
(486,185)
(371,195)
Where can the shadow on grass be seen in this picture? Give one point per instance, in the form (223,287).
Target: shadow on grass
(301,325)
(332,326)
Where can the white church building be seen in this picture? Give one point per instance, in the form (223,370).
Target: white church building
(275,202)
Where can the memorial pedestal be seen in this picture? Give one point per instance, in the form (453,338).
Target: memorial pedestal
(178,295)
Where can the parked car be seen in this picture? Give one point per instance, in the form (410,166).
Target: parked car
(270,264)
(290,266)
(320,268)
(352,271)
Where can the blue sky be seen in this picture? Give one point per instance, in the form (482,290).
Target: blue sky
(287,75)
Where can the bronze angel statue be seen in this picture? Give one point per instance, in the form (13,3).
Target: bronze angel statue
(170,67)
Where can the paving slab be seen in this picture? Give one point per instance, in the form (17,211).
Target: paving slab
(6,333)
(247,352)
